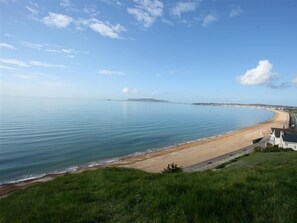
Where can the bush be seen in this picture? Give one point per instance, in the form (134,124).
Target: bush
(271,148)
(173,168)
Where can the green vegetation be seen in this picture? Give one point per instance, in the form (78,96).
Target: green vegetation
(173,168)
(223,165)
(271,148)
(261,187)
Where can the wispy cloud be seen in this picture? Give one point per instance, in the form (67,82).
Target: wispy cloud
(106,29)
(279,86)
(32,10)
(183,7)
(295,80)
(57,20)
(32,45)
(7,46)
(127,90)
(42,64)
(69,6)
(91,11)
(113,2)
(208,19)
(14,62)
(69,52)
(6,67)
(111,72)
(235,11)
(65,3)
(30,63)
(259,75)
(168,22)
(146,12)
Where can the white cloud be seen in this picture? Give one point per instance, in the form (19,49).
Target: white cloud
(67,51)
(113,2)
(57,20)
(295,80)
(111,72)
(235,12)
(208,19)
(147,11)
(7,46)
(91,11)
(14,62)
(41,64)
(69,6)
(30,63)
(168,22)
(183,7)
(65,3)
(106,29)
(103,28)
(32,10)
(6,68)
(260,75)
(125,90)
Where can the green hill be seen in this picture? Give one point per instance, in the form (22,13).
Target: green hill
(261,187)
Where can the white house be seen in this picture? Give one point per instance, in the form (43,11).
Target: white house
(285,138)
(275,136)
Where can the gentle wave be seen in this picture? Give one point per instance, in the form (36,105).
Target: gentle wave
(54,135)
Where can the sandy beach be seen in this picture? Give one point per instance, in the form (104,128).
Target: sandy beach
(199,151)
(186,155)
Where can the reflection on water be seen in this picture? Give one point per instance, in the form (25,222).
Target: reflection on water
(44,135)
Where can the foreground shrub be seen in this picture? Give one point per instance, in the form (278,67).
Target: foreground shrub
(173,168)
(270,149)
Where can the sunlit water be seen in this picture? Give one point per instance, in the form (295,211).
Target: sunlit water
(39,136)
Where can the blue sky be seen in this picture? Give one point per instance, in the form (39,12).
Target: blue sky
(182,51)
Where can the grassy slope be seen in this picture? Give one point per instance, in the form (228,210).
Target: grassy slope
(259,188)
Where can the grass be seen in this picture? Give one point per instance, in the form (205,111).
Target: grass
(223,165)
(261,187)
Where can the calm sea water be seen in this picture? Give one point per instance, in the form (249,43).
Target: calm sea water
(40,136)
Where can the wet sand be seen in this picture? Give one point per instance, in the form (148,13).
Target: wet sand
(186,155)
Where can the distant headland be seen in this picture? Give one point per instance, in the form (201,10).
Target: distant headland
(147,100)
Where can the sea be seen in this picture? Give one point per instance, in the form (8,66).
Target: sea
(49,135)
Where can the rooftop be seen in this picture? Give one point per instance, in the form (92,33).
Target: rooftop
(290,137)
(277,131)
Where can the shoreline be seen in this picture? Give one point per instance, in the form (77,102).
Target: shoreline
(157,160)
(198,151)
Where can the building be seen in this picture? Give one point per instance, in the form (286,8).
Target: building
(289,140)
(285,138)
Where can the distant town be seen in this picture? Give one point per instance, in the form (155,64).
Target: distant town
(265,106)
